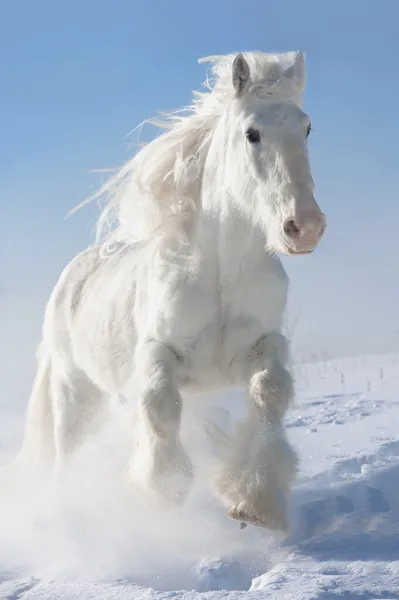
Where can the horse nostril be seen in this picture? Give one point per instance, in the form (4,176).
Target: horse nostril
(291,229)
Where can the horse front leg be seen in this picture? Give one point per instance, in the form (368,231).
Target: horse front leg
(260,471)
(159,464)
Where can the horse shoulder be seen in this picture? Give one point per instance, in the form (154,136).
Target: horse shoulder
(66,295)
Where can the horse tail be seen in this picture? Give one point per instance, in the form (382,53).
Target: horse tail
(38,443)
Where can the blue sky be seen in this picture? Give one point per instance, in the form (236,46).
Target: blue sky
(77,76)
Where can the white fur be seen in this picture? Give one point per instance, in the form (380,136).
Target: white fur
(184,290)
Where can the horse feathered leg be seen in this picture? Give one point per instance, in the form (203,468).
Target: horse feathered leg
(261,468)
(159,463)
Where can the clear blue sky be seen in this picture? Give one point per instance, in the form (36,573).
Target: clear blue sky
(78,75)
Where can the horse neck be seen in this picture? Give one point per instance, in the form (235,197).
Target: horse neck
(238,242)
(236,238)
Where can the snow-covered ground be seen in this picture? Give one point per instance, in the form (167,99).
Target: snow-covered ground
(94,538)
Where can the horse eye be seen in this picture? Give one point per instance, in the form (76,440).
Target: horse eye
(308,130)
(252,135)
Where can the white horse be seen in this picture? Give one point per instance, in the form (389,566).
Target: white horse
(184,290)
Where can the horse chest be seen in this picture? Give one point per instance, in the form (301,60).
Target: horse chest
(216,313)
(220,322)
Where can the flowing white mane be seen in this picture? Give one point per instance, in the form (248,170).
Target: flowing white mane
(157,192)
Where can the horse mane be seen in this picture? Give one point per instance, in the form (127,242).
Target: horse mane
(157,193)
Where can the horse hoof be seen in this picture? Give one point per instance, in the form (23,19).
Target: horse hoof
(264,521)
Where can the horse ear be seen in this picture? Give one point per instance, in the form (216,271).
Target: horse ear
(241,74)
(297,70)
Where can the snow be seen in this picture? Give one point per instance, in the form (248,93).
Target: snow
(90,536)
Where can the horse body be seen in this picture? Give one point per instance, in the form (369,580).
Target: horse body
(209,316)
(199,306)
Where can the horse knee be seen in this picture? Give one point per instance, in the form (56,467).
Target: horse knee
(162,405)
(160,400)
(272,390)
(155,362)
